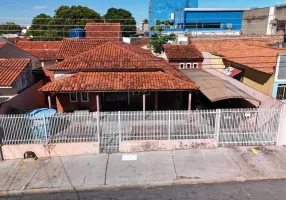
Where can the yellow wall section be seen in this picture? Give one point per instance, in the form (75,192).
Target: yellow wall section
(261,81)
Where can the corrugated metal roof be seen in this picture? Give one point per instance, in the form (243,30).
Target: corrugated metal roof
(214,88)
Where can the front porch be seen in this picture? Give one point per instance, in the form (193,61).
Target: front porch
(123,101)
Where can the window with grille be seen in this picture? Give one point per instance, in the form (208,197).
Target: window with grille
(281,92)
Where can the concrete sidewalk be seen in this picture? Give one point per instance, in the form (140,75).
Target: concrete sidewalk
(150,168)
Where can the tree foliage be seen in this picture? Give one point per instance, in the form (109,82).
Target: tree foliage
(156,43)
(40,27)
(65,18)
(124,17)
(10,28)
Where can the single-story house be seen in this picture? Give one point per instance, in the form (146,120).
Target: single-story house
(118,77)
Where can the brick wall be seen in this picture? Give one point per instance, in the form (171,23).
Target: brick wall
(63,103)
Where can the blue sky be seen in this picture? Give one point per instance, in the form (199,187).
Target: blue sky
(25,10)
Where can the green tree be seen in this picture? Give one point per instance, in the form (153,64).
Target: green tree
(65,18)
(40,27)
(124,17)
(10,28)
(156,43)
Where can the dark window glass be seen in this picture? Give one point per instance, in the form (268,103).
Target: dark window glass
(212,25)
(194,25)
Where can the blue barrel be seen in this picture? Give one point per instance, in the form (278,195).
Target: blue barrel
(77,33)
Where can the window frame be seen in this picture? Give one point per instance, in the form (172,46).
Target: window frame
(188,64)
(76,96)
(87,95)
(197,65)
(183,65)
(283,86)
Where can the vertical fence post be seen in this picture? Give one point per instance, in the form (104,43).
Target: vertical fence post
(119,129)
(280,123)
(217,123)
(45,128)
(169,132)
(97,127)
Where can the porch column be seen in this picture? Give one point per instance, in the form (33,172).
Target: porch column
(144,102)
(190,101)
(97,103)
(156,101)
(49,101)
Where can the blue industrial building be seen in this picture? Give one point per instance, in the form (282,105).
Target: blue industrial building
(185,14)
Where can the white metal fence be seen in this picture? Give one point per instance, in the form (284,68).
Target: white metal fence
(230,127)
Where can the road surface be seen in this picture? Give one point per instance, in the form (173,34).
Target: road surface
(251,190)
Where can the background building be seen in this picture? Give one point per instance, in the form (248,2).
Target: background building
(169,9)
(185,16)
(265,21)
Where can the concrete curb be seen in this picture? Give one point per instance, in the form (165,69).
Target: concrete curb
(146,185)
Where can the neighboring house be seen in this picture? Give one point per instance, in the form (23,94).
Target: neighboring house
(183,56)
(255,64)
(118,77)
(8,50)
(15,76)
(110,31)
(45,51)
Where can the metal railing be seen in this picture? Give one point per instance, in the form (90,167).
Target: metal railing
(229,127)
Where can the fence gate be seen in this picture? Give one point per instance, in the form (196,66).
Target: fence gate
(248,127)
(109,132)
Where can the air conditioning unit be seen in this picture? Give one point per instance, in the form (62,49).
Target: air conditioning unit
(228,26)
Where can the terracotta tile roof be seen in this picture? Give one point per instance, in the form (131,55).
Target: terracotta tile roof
(43,50)
(139,51)
(10,69)
(44,54)
(142,42)
(118,81)
(103,30)
(73,47)
(260,58)
(2,44)
(39,44)
(109,57)
(182,52)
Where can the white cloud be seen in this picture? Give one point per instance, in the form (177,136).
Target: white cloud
(39,7)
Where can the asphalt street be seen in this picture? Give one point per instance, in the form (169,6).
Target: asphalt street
(250,190)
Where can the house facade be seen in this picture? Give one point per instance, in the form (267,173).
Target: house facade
(15,76)
(183,57)
(118,77)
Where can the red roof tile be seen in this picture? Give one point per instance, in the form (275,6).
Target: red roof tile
(103,30)
(10,69)
(263,59)
(182,52)
(141,43)
(118,81)
(39,44)
(73,47)
(109,57)
(2,44)
(44,54)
